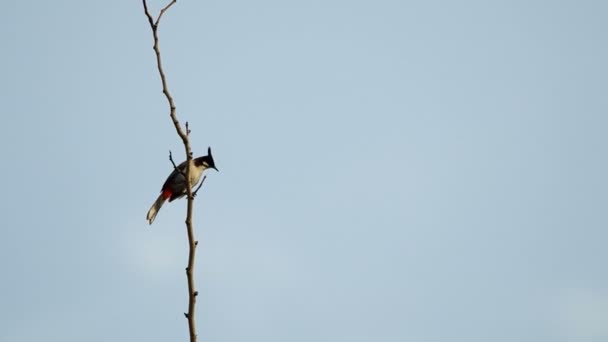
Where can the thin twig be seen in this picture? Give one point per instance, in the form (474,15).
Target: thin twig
(192,243)
(162,11)
(150,20)
(181,172)
(171,159)
(199,186)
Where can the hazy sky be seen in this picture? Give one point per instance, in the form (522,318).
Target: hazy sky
(423,171)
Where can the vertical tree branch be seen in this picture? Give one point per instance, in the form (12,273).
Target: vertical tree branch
(192,293)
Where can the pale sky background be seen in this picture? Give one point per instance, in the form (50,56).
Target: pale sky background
(430,171)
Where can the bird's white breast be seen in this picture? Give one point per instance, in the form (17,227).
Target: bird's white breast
(196,173)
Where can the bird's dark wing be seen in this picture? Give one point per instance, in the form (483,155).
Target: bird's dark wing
(174,174)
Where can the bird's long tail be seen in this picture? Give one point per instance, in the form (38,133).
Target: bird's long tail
(155,208)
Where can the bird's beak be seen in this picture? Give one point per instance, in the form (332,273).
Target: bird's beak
(216,169)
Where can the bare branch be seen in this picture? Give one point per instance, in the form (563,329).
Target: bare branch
(150,20)
(171,159)
(199,186)
(174,166)
(186,141)
(162,11)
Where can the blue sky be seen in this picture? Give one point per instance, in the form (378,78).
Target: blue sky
(389,171)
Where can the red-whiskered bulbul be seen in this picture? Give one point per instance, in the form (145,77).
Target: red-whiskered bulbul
(175,185)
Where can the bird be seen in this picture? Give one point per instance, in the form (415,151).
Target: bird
(175,185)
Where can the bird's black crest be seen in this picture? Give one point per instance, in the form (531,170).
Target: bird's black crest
(208,159)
